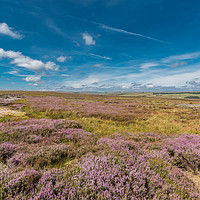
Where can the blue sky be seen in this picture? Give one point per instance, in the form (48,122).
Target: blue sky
(100,45)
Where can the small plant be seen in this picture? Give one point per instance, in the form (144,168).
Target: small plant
(50,155)
(184,151)
(6,151)
(21,184)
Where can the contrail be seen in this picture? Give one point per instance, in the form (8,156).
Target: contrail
(98,56)
(93,55)
(103,26)
(131,33)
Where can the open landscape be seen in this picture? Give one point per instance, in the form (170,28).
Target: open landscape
(56,145)
(99,100)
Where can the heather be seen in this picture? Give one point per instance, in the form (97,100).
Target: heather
(80,146)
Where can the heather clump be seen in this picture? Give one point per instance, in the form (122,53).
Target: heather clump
(50,155)
(21,184)
(53,185)
(6,151)
(107,177)
(19,159)
(146,137)
(184,151)
(47,103)
(79,136)
(119,144)
(33,139)
(176,184)
(111,177)
(36,185)
(33,129)
(123,169)
(117,110)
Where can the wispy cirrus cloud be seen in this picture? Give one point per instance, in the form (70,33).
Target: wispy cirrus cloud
(118,30)
(93,55)
(172,61)
(148,65)
(9,31)
(131,33)
(97,65)
(98,56)
(181,57)
(14,72)
(52,25)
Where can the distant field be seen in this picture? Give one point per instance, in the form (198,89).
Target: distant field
(56,145)
(194,95)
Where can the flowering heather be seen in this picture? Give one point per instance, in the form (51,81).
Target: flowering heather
(108,177)
(115,110)
(33,185)
(25,130)
(33,139)
(102,177)
(146,137)
(18,159)
(21,184)
(185,151)
(6,151)
(53,185)
(55,159)
(119,144)
(47,103)
(79,136)
(50,155)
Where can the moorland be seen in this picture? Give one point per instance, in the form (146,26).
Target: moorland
(57,145)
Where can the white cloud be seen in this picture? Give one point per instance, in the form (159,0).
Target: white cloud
(13,72)
(89,81)
(176,79)
(177,64)
(180,57)
(88,39)
(97,65)
(63,58)
(33,84)
(148,65)
(6,30)
(32,78)
(18,59)
(172,61)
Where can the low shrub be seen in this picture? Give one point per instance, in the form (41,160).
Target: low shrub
(6,151)
(51,155)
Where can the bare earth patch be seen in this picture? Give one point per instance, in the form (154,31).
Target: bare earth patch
(6,111)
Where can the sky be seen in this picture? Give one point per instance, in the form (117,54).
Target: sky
(100,45)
